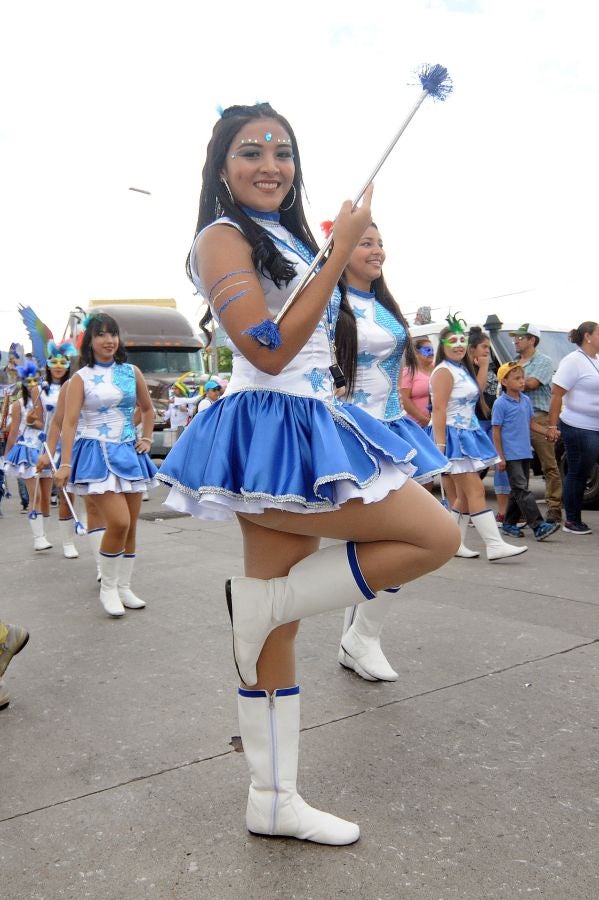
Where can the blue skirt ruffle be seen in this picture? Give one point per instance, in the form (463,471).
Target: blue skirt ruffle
(94,461)
(467,450)
(429,460)
(21,460)
(280,449)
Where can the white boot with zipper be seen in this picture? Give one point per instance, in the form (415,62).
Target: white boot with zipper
(325,580)
(40,541)
(128,598)
(497,548)
(109,595)
(360,648)
(269,726)
(462,521)
(67,533)
(95,540)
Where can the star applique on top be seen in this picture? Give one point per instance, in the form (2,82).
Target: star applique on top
(360,398)
(98,379)
(359,312)
(316,378)
(103,409)
(459,420)
(365,359)
(103,430)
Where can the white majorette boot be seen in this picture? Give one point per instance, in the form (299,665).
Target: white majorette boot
(269,726)
(325,580)
(95,538)
(497,548)
(463,551)
(67,533)
(40,542)
(109,595)
(360,648)
(128,598)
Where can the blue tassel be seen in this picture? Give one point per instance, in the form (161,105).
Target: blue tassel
(435,81)
(267,333)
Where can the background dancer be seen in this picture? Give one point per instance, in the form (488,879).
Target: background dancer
(382,341)
(455,391)
(415,385)
(106,459)
(279,452)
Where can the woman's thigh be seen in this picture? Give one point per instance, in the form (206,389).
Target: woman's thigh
(113,509)
(410,515)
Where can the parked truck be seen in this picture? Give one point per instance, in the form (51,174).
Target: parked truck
(160,341)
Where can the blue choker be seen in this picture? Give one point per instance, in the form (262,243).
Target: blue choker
(257,214)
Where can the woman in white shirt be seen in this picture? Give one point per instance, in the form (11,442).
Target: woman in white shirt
(575,402)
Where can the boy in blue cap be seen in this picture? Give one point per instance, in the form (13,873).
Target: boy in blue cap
(512,424)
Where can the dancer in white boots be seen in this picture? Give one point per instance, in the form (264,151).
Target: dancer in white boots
(382,339)
(455,391)
(23,448)
(282,454)
(107,460)
(94,523)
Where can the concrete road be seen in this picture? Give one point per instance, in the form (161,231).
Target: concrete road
(474,776)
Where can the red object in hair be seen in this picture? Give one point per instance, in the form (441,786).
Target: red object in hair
(327,227)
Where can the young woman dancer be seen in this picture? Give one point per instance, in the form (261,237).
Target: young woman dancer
(382,341)
(455,391)
(107,460)
(23,448)
(281,454)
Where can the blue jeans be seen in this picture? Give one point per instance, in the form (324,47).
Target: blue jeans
(582,452)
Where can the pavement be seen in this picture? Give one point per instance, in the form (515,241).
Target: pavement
(473,776)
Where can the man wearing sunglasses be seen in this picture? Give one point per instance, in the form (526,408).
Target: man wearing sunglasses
(539,370)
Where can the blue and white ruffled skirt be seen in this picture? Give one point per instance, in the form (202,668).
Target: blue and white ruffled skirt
(258,449)
(429,460)
(100,466)
(468,450)
(21,461)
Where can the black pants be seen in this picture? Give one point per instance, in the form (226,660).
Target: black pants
(521,499)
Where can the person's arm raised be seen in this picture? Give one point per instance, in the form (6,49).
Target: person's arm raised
(225,262)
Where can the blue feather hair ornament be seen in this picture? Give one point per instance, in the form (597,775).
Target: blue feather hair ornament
(66,349)
(266,333)
(435,81)
(29,370)
(88,320)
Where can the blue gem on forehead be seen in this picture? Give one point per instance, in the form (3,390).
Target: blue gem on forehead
(268,136)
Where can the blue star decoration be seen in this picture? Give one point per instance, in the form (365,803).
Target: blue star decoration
(359,312)
(104,430)
(98,379)
(360,398)
(459,420)
(316,378)
(103,409)
(365,359)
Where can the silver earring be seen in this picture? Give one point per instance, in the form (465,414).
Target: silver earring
(285,208)
(226,184)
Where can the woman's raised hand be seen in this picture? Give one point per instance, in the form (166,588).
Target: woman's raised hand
(350,225)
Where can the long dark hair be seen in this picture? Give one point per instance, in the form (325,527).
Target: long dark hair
(576,336)
(267,259)
(466,362)
(100,322)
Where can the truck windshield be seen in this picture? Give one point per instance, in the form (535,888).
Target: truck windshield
(166,361)
(554,344)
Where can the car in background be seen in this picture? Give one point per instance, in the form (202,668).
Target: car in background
(554,343)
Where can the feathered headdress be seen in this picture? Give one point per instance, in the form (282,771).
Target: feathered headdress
(39,333)
(29,370)
(66,349)
(455,324)
(89,319)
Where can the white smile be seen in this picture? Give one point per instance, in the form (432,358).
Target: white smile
(267,185)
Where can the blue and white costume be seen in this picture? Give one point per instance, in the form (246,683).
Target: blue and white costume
(21,461)
(49,399)
(468,448)
(104,456)
(381,343)
(283,441)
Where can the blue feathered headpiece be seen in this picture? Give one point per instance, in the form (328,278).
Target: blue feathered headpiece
(29,370)
(66,349)
(89,319)
(13,350)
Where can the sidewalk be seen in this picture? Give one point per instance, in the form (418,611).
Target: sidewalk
(473,776)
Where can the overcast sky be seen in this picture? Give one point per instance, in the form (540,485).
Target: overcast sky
(492,193)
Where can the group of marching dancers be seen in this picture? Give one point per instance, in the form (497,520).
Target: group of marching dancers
(289,450)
